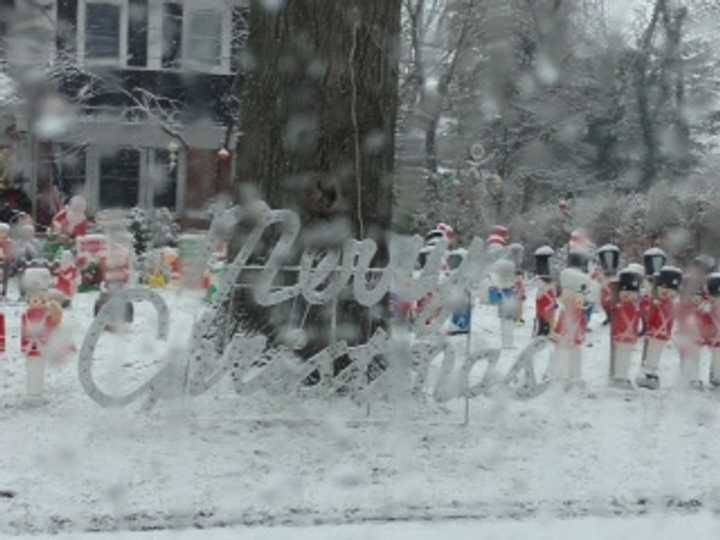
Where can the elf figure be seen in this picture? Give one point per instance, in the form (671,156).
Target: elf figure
(68,278)
(571,328)
(505,291)
(71,221)
(712,337)
(546,297)
(625,327)
(609,257)
(39,323)
(658,312)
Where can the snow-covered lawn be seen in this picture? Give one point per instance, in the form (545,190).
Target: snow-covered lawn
(699,527)
(220,459)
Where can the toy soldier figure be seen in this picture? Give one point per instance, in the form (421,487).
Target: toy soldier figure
(609,257)
(626,326)
(546,299)
(658,311)
(571,328)
(68,278)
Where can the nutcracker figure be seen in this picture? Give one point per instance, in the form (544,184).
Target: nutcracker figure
(658,312)
(625,327)
(68,278)
(71,221)
(571,328)
(546,297)
(7,249)
(713,331)
(609,257)
(39,323)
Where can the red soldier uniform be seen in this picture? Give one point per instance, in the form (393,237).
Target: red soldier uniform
(626,322)
(545,307)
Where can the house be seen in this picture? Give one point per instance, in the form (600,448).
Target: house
(141,101)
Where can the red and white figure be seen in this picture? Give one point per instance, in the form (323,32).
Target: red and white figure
(502,231)
(571,328)
(72,221)
(40,322)
(116,265)
(68,277)
(712,334)
(546,295)
(689,315)
(626,325)
(658,313)
(449,232)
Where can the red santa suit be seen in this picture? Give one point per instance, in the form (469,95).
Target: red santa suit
(64,225)
(67,281)
(626,326)
(659,317)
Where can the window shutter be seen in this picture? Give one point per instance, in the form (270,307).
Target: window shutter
(66,36)
(238,43)
(172,35)
(137,53)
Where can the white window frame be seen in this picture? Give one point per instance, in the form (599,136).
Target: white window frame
(121,60)
(225,15)
(145,192)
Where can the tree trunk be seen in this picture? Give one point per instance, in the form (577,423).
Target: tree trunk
(319,111)
(318,120)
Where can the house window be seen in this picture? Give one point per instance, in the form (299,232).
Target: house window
(205,38)
(119,179)
(103,31)
(70,168)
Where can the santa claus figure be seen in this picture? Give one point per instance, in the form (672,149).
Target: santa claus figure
(546,297)
(39,323)
(68,278)
(72,221)
(625,327)
(571,328)
(658,311)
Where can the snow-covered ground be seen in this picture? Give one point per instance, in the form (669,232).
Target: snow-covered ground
(224,460)
(702,526)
